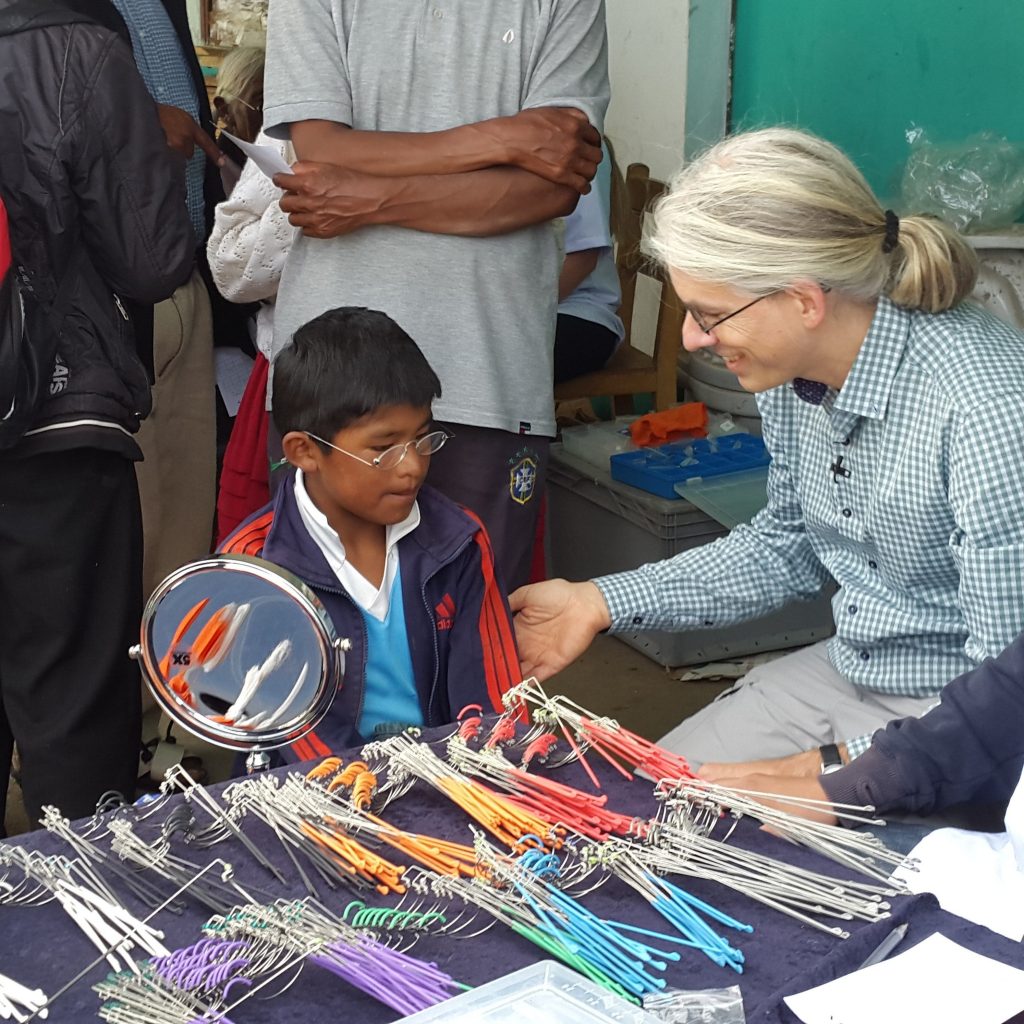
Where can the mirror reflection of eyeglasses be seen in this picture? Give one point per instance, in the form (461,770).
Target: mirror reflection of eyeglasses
(391,457)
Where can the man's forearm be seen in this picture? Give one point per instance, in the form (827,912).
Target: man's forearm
(555,143)
(576,268)
(327,202)
(479,204)
(400,154)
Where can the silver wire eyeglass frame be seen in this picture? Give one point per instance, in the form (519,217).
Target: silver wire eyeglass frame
(429,444)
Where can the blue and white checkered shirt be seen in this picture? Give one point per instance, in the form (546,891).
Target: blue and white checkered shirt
(921,524)
(161,63)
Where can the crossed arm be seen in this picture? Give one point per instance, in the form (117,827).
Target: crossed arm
(487,178)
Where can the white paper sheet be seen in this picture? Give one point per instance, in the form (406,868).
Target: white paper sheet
(233,368)
(976,875)
(936,981)
(266,158)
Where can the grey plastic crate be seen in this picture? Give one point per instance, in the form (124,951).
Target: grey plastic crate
(597,526)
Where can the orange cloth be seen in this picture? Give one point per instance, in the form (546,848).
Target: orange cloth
(687,420)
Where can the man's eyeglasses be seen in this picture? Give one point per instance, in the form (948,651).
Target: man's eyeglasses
(708,328)
(391,457)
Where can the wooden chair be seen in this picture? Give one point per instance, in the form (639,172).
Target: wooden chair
(631,371)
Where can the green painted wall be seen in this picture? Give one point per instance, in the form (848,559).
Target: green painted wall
(860,72)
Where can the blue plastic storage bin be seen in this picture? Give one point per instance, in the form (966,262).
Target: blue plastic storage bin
(658,470)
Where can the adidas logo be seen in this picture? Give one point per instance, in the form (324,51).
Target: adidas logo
(445,612)
(60,377)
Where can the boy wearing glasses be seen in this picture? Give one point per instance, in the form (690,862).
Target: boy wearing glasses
(437,145)
(405,574)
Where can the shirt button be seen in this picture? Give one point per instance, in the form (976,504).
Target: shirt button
(852,609)
(864,656)
(872,564)
(638,620)
(847,512)
(845,440)
(708,622)
(438,13)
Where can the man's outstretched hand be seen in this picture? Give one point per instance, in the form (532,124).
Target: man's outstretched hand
(555,622)
(798,775)
(803,765)
(805,787)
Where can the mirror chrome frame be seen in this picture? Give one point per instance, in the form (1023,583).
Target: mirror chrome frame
(331,649)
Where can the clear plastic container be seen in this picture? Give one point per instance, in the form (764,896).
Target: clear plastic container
(731,499)
(596,443)
(543,993)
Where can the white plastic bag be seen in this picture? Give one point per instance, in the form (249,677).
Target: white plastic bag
(707,1006)
(975,185)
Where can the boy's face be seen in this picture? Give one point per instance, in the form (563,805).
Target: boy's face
(345,489)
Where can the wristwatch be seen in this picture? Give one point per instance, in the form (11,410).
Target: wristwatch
(830,759)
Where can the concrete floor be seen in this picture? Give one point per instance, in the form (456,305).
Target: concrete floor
(609,679)
(615,680)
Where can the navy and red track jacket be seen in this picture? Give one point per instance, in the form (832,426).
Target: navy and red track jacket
(457,617)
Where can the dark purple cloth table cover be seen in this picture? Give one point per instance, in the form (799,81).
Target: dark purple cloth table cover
(39,946)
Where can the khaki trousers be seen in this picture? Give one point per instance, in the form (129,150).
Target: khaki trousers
(792,704)
(177,478)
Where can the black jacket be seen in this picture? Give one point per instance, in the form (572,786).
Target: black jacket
(230,319)
(90,185)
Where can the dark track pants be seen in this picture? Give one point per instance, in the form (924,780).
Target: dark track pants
(581,346)
(499,476)
(70,603)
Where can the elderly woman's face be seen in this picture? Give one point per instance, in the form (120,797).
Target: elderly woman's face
(764,345)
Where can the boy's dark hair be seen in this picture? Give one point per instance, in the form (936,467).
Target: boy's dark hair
(344,364)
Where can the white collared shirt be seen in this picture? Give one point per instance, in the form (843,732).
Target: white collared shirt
(373,600)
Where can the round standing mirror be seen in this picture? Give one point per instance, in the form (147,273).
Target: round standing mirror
(240,652)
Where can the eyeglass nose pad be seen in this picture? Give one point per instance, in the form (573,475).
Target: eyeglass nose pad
(408,462)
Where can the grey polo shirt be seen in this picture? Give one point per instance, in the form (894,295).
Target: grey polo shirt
(482,309)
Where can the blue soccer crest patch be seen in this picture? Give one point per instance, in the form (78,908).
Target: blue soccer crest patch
(523,477)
